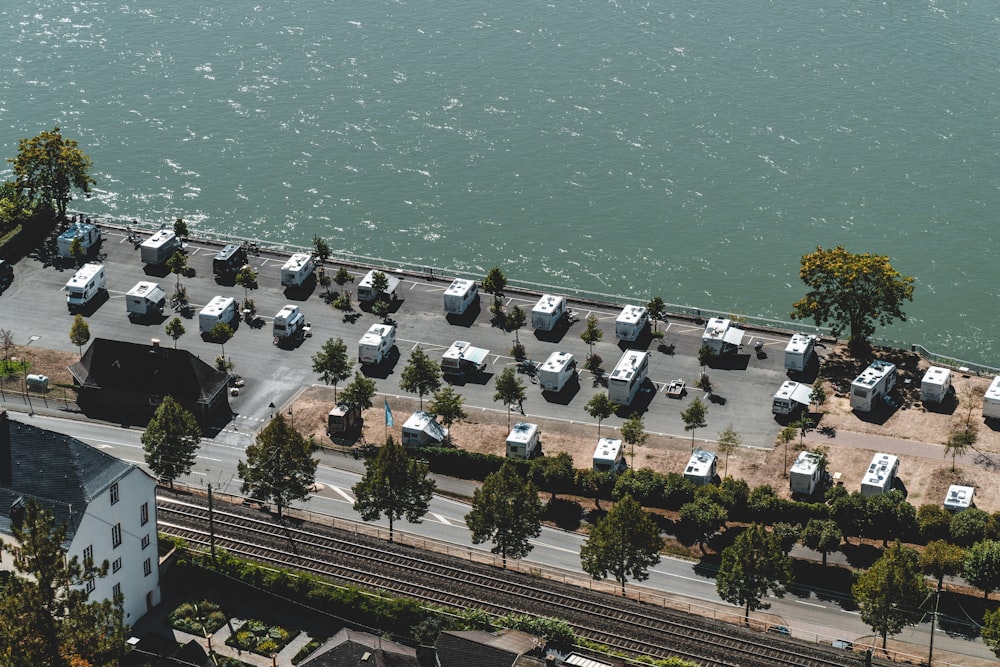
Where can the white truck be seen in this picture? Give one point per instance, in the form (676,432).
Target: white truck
(805,474)
(627,377)
(145,299)
(799,352)
(556,371)
(376,344)
(935,385)
(289,325)
(459,296)
(701,467)
(609,456)
(463,359)
(296,271)
(630,323)
(791,397)
(991,400)
(158,248)
(88,233)
(524,441)
(219,309)
(545,314)
(880,475)
(85,285)
(722,336)
(367,292)
(875,382)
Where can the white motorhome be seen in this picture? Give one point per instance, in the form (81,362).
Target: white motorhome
(627,377)
(701,467)
(368,293)
(609,456)
(421,429)
(545,314)
(159,247)
(219,309)
(556,371)
(462,358)
(376,344)
(959,497)
(89,235)
(790,398)
(145,299)
(289,324)
(799,352)
(935,385)
(991,400)
(805,474)
(630,323)
(875,382)
(86,283)
(524,441)
(880,476)
(459,296)
(722,336)
(296,271)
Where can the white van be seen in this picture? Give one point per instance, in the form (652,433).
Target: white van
(630,323)
(219,309)
(376,344)
(86,284)
(459,296)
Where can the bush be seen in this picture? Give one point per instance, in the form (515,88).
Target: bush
(200,618)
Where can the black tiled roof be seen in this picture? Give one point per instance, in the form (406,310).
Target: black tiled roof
(456,650)
(349,649)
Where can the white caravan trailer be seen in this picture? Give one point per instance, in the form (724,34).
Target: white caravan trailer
(959,497)
(89,235)
(701,467)
(462,358)
(629,374)
(159,247)
(880,475)
(421,429)
(556,371)
(545,315)
(790,398)
(805,474)
(376,344)
(368,293)
(935,385)
(609,456)
(460,295)
(630,323)
(289,324)
(85,284)
(219,309)
(875,382)
(524,441)
(296,271)
(722,336)
(799,351)
(991,400)
(146,299)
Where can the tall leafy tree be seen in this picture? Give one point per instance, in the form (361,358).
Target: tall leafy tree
(79,332)
(592,334)
(729,441)
(178,264)
(175,329)
(849,510)
(890,591)
(982,566)
(853,292)
(448,405)
(822,535)
(279,465)
(380,283)
(634,433)
(171,441)
(695,417)
(421,376)
(703,517)
(941,559)
(625,543)
(221,333)
(514,320)
(990,631)
(342,277)
(506,511)
(394,485)
(554,472)
(657,311)
(180,228)
(321,248)
(332,363)
(360,391)
(246,278)
(972,525)
(48,168)
(509,390)
(600,407)
(751,567)
(891,516)
(495,282)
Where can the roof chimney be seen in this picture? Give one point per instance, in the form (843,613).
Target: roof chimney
(6,472)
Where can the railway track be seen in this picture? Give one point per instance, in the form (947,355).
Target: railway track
(353,560)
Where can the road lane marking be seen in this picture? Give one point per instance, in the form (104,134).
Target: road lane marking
(811,604)
(346,496)
(441,519)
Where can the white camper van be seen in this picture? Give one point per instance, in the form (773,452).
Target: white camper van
(462,359)
(297,269)
(460,295)
(421,429)
(627,377)
(219,309)
(991,400)
(556,371)
(799,352)
(875,382)
(159,247)
(959,497)
(545,314)
(805,474)
(289,324)
(935,385)
(701,467)
(85,284)
(376,344)
(367,293)
(146,299)
(630,323)
(609,456)
(89,235)
(880,476)
(722,336)
(524,441)
(790,398)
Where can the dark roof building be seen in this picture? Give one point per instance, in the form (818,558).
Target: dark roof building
(349,648)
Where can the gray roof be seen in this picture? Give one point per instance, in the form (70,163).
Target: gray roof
(349,648)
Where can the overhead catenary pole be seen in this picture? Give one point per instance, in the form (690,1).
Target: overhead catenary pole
(211,524)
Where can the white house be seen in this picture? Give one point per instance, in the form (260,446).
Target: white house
(107,505)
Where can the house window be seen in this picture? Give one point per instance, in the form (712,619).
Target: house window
(116,535)
(147,567)
(88,554)
(91,585)
(144,514)
(117,565)
(116,591)
(114,493)
(145,541)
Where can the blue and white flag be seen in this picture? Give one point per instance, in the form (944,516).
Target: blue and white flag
(388,413)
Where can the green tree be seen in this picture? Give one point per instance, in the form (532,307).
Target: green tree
(509,390)
(342,277)
(706,355)
(634,433)
(592,334)
(729,441)
(421,376)
(972,525)
(171,441)
(48,167)
(332,363)
(891,516)
(853,292)
(360,391)
(785,436)
(934,522)
(818,393)
(890,590)
(246,278)
(175,329)
(495,282)
(381,307)
(15,207)
(76,250)
(506,510)
(46,615)
(822,535)
(79,332)
(221,333)
(941,559)
(180,228)
(394,485)
(380,284)
(657,311)
(703,517)
(695,417)
(321,248)
(553,472)
(600,407)
(448,404)
(625,543)
(958,443)
(849,510)
(990,632)
(178,264)
(514,320)
(787,535)
(753,565)
(279,466)
(982,566)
